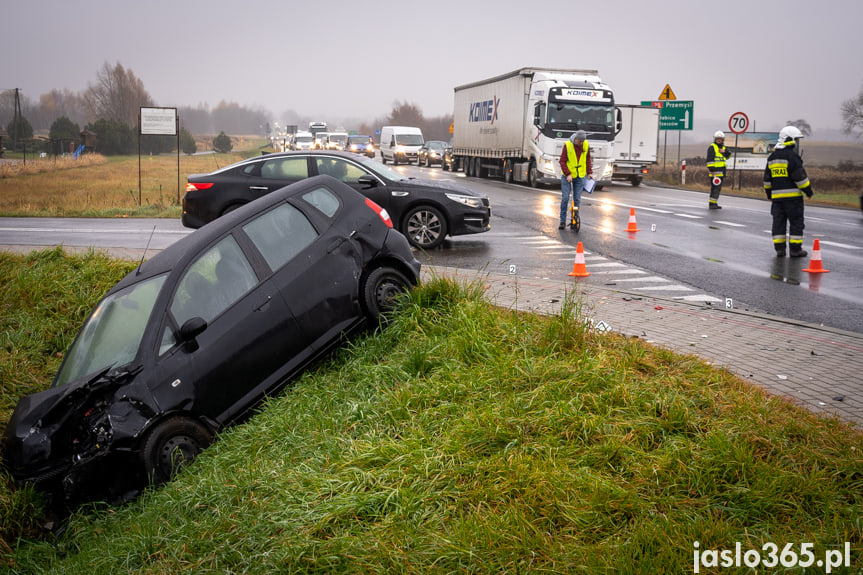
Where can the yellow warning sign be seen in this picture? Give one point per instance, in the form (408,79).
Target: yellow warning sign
(667,93)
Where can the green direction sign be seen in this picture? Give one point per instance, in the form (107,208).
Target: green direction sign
(673,114)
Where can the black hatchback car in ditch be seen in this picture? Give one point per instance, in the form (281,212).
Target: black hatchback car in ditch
(195,337)
(425,211)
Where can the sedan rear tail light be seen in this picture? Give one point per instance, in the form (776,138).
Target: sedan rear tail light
(380,212)
(190,187)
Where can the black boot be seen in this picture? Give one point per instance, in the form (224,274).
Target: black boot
(799,253)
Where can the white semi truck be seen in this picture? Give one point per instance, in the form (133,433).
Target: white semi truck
(514,126)
(636,146)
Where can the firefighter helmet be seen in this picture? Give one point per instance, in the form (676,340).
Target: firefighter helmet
(789,133)
(719,134)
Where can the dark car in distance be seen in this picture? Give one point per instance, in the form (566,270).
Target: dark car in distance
(430,153)
(192,340)
(426,212)
(361,145)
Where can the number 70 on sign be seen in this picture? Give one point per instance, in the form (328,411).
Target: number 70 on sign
(738,122)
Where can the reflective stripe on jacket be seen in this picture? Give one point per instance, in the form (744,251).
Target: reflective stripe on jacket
(784,175)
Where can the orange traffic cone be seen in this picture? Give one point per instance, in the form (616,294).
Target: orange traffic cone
(579,269)
(815,266)
(632,227)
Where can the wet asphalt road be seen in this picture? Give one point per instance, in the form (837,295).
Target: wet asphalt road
(682,250)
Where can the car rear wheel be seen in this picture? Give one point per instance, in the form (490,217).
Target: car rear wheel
(380,289)
(172,444)
(425,227)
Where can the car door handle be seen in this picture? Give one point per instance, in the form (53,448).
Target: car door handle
(265,188)
(264,306)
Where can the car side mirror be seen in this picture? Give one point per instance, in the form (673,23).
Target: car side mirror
(191,330)
(368,181)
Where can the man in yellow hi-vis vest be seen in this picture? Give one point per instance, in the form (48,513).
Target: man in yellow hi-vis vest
(716,156)
(575,166)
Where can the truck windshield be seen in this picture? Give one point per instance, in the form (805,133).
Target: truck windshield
(576,116)
(409,139)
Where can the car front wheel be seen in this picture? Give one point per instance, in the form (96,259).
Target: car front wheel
(425,227)
(380,290)
(172,444)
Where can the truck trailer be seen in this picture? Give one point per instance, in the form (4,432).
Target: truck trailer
(636,146)
(514,126)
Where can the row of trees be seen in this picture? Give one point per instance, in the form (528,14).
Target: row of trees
(109,108)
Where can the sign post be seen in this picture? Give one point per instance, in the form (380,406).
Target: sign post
(159,122)
(738,123)
(673,115)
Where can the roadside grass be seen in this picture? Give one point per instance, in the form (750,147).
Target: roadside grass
(832,186)
(470,438)
(99,186)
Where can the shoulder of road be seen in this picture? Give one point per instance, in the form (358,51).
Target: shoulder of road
(814,366)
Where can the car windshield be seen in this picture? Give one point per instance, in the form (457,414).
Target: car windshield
(305,139)
(113,333)
(436,145)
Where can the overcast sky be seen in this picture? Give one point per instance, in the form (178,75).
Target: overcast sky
(333,59)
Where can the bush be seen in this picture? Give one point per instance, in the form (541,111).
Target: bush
(222,143)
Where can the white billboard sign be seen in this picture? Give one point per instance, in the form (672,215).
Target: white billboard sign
(159,121)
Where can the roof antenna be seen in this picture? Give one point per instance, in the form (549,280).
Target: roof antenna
(138,271)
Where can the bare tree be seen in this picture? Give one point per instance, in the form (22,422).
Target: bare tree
(852,115)
(404,114)
(117,95)
(801,125)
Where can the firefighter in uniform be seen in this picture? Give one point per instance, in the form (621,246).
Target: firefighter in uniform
(785,182)
(575,164)
(716,156)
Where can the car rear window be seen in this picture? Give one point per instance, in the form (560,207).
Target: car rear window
(324,200)
(280,234)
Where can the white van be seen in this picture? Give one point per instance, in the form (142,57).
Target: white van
(400,144)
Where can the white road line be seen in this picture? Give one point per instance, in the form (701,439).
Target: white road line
(838,245)
(733,224)
(689,216)
(677,287)
(647,279)
(699,297)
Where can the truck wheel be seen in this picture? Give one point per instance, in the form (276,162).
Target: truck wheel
(636,181)
(507,172)
(383,158)
(424,227)
(533,175)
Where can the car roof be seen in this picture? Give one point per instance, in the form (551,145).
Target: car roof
(188,247)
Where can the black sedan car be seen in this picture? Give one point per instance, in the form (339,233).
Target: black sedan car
(430,153)
(426,212)
(194,338)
